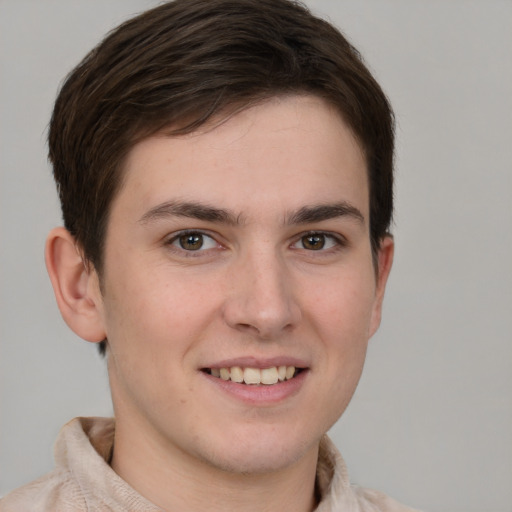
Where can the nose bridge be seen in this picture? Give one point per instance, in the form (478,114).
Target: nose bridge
(262,299)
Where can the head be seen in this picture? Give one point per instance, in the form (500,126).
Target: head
(225,173)
(172,69)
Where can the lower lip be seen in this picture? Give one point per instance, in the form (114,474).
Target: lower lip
(260,394)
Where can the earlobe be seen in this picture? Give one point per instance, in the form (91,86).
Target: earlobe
(76,287)
(384,261)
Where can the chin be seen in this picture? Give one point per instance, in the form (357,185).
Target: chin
(259,454)
(249,464)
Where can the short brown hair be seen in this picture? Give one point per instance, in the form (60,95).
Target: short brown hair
(177,65)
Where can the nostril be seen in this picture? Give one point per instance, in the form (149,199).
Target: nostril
(248,328)
(262,317)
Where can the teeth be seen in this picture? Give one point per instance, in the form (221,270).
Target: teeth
(269,376)
(255,376)
(252,376)
(237,374)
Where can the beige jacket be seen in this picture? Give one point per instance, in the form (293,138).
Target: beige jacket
(83,480)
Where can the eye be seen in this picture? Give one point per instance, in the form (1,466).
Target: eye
(193,241)
(317,242)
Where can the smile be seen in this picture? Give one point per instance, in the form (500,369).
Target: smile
(255,376)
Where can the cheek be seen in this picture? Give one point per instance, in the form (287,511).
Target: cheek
(158,308)
(152,324)
(342,306)
(341,317)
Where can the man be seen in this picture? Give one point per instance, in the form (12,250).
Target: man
(225,174)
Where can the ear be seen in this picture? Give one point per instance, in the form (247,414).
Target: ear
(76,286)
(384,262)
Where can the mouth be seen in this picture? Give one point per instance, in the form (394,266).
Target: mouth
(255,376)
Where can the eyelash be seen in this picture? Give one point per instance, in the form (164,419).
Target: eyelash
(190,232)
(339,242)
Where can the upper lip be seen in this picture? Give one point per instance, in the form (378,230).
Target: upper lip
(256,362)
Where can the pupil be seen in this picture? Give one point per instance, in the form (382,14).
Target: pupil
(191,242)
(314,242)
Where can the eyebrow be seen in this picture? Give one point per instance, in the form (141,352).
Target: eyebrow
(318,213)
(190,210)
(205,212)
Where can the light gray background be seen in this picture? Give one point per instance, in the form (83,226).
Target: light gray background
(431,422)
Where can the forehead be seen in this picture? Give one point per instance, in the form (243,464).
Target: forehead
(284,151)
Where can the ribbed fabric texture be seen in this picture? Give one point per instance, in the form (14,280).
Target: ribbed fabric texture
(83,481)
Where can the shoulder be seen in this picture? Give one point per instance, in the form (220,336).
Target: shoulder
(55,491)
(370,500)
(82,479)
(339,494)
(63,488)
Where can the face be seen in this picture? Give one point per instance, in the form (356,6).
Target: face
(239,291)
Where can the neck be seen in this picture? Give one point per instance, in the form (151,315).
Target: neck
(174,480)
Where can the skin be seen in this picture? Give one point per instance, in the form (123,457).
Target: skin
(256,289)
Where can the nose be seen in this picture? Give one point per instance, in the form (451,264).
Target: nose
(261,299)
